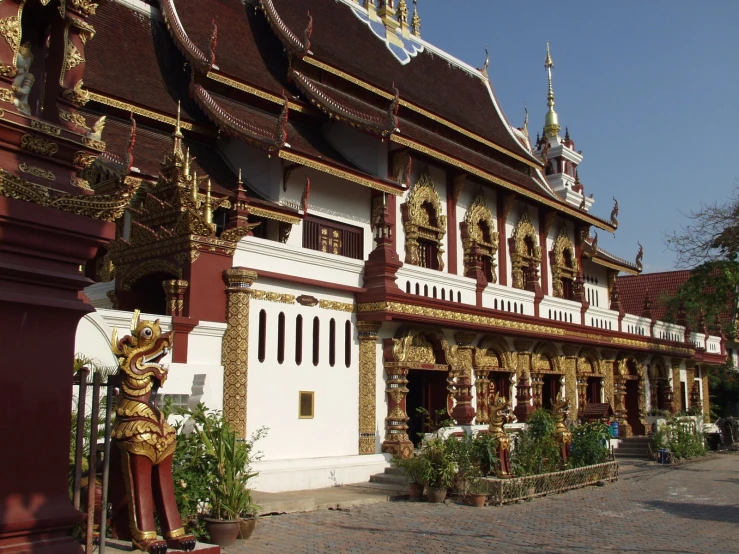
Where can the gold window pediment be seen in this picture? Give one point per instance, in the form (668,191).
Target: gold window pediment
(424,223)
(525,249)
(473,235)
(561,269)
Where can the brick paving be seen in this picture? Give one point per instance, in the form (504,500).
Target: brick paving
(689,509)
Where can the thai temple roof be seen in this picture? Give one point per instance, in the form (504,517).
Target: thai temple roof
(270,73)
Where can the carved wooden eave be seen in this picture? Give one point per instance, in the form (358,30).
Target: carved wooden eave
(330,103)
(295,45)
(416,221)
(472,233)
(606,259)
(107,207)
(197,58)
(432,312)
(270,140)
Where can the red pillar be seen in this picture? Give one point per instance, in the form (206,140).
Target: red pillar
(451,225)
(41,250)
(502,242)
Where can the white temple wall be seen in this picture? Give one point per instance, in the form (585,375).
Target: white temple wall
(331,198)
(466,198)
(273,387)
(365,151)
(596,293)
(261,172)
(93,340)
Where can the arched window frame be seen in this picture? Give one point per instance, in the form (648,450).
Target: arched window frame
(520,258)
(472,236)
(560,270)
(417,223)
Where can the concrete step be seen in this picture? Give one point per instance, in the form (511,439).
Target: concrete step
(638,440)
(394,471)
(389,479)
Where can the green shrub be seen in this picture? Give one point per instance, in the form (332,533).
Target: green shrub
(485,449)
(682,441)
(437,466)
(412,467)
(533,455)
(589,445)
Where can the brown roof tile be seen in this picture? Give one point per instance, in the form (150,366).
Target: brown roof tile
(340,39)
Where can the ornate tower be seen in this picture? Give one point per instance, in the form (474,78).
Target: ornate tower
(559,153)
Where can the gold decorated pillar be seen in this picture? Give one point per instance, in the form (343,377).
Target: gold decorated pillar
(572,387)
(463,411)
(396,423)
(524,406)
(367,385)
(677,396)
(609,363)
(482,395)
(235,353)
(706,396)
(175,289)
(689,380)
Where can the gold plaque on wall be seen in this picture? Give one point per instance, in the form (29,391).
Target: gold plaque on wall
(305,404)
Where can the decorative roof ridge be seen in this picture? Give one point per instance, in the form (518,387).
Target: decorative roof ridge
(333,107)
(112,163)
(253,134)
(533,162)
(184,44)
(144,8)
(285,34)
(613,257)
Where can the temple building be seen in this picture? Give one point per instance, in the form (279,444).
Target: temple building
(341,239)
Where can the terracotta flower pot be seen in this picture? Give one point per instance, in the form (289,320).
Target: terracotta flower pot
(435,495)
(246,527)
(223,532)
(478,500)
(415,490)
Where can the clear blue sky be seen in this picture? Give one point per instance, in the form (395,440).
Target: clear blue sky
(649,90)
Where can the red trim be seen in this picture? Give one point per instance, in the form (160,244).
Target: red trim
(182,326)
(502,243)
(306,281)
(544,255)
(451,225)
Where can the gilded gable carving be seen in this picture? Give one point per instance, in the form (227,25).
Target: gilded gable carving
(564,263)
(524,245)
(478,218)
(424,225)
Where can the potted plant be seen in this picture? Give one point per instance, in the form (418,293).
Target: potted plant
(438,469)
(477,489)
(228,457)
(413,470)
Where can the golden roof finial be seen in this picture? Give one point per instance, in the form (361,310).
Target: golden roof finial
(402,13)
(177,138)
(187,163)
(416,20)
(525,128)
(240,181)
(208,210)
(194,189)
(551,121)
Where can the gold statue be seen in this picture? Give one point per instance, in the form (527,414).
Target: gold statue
(499,416)
(562,434)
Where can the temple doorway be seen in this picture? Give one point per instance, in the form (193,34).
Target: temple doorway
(426,389)
(550,389)
(631,403)
(592,394)
(500,382)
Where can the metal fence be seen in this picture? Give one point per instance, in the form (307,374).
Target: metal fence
(97,469)
(504,491)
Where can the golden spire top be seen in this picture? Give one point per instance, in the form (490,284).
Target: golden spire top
(525,128)
(551,121)
(416,20)
(187,163)
(208,210)
(402,13)
(177,130)
(177,138)
(240,181)
(194,189)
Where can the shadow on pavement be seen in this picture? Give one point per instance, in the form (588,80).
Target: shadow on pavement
(725,514)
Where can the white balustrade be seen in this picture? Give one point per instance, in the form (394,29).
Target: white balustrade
(601,318)
(559,309)
(436,284)
(508,299)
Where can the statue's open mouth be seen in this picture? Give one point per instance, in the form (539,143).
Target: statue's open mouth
(156,357)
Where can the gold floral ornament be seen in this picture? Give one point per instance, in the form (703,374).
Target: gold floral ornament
(72,57)
(39,145)
(76,95)
(85,7)
(425,227)
(478,230)
(524,249)
(37,172)
(10,29)
(564,263)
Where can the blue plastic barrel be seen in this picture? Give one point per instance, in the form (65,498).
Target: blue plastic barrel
(662,456)
(614,429)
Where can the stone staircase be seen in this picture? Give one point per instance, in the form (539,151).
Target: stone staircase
(634,447)
(391,476)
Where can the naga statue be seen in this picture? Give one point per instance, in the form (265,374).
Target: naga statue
(499,416)
(561,433)
(144,445)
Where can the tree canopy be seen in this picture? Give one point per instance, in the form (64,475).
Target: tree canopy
(709,244)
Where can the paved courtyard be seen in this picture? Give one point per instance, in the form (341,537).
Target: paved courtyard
(694,508)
